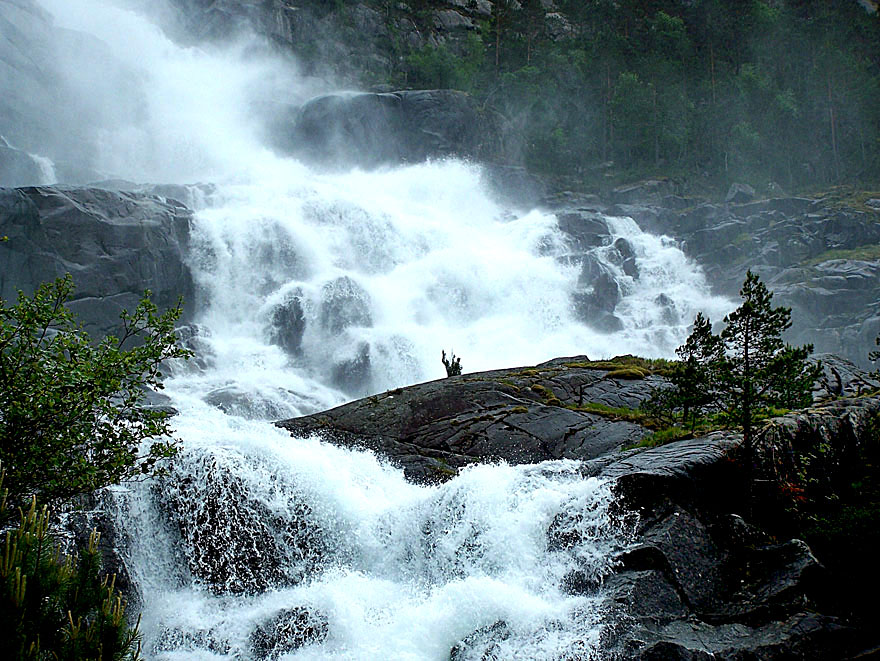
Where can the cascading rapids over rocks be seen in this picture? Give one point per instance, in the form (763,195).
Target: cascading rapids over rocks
(312,288)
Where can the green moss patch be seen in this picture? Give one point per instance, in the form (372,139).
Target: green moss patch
(619,363)
(868,253)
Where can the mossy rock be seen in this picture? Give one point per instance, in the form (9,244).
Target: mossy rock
(618,363)
(631,373)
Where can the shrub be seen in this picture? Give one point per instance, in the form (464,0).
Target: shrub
(71,411)
(59,607)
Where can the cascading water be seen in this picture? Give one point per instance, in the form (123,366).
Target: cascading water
(316,287)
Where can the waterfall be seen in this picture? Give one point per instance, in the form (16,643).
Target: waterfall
(368,565)
(317,287)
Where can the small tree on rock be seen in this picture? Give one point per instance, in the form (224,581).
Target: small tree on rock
(695,383)
(757,369)
(453,367)
(743,370)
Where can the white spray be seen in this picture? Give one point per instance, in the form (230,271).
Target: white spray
(373,273)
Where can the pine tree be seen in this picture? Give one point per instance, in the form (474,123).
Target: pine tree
(757,369)
(693,380)
(744,370)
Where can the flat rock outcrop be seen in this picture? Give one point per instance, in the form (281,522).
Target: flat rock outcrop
(114,244)
(514,415)
(709,572)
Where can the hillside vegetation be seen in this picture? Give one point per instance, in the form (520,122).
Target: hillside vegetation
(779,93)
(763,90)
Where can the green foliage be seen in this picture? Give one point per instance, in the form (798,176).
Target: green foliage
(647,365)
(744,372)
(614,412)
(439,67)
(627,373)
(71,414)
(453,366)
(756,368)
(661,437)
(59,607)
(758,90)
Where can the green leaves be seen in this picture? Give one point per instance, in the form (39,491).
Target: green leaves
(71,413)
(746,369)
(54,606)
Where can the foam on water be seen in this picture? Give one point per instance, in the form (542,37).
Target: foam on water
(380,271)
(399,572)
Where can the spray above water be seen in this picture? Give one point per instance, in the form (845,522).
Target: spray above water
(359,278)
(317,287)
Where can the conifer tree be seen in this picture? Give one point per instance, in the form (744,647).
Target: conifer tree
(694,382)
(757,369)
(743,370)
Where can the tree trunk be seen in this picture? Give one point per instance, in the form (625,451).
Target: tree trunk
(834,149)
(747,415)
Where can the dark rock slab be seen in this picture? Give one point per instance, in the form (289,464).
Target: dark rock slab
(702,582)
(517,415)
(374,129)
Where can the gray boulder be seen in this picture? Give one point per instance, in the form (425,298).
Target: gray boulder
(288,323)
(740,194)
(115,245)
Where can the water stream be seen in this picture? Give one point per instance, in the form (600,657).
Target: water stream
(314,288)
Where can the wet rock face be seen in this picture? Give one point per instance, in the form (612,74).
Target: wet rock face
(231,539)
(352,375)
(114,245)
(289,630)
(482,643)
(700,580)
(288,323)
(344,303)
(373,129)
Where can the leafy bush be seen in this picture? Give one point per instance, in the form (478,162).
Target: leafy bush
(71,411)
(58,607)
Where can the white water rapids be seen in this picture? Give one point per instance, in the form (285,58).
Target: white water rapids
(258,545)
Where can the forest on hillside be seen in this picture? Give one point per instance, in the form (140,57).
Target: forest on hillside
(780,93)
